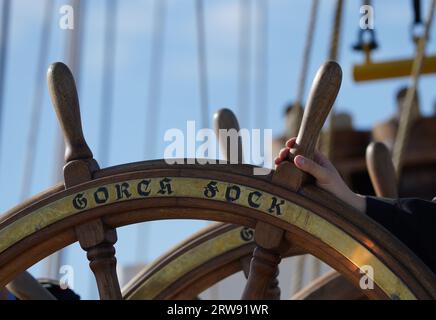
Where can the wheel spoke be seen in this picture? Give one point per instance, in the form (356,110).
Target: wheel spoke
(98,241)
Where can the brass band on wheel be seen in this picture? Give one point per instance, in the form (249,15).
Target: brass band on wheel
(213,190)
(188,261)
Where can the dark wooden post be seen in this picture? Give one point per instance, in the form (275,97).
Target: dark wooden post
(262,282)
(94,237)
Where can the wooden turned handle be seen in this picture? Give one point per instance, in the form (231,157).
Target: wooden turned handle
(381,170)
(63,94)
(325,88)
(226,119)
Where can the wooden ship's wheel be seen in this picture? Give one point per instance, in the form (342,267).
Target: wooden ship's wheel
(216,252)
(285,209)
(349,157)
(204,259)
(221,250)
(212,255)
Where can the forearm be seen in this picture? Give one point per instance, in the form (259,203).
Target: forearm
(355,200)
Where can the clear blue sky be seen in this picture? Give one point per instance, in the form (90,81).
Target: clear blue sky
(368,102)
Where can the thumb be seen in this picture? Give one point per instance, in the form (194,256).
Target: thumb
(309,166)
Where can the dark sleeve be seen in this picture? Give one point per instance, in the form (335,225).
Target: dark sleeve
(411,220)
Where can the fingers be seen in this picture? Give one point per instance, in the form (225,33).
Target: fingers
(311,167)
(283,154)
(320,167)
(290,143)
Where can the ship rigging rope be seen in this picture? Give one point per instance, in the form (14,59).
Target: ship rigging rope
(261,101)
(245,19)
(306,53)
(38,99)
(297,113)
(202,63)
(417,12)
(4,40)
(336,34)
(297,110)
(155,77)
(107,91)
(333,55)
(406,117)
(157,51)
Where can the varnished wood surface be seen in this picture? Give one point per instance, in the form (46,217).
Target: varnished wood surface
(98,240)
(262,280)
(418,177)
(195,280)
(64,97)
(213,254)
(360,227)
(211,270)
(324,90)
(381,170)
(262,276)
(96,202)
(94,237)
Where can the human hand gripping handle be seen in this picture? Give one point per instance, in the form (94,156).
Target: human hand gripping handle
(325,174)
(323,92)
(301,150)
